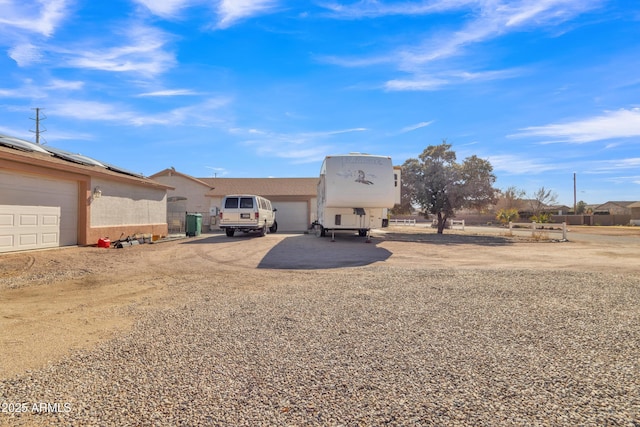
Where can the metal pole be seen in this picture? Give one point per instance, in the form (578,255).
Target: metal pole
(575,206)
(37,126)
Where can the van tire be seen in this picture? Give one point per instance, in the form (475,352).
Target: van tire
(274,227)
(263,230)
(320,232)
(230,232)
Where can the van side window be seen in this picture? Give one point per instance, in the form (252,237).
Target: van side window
(263,204)
(246,203)
(231,203)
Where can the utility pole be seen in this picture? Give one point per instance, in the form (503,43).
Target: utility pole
(37,120)
(575,206)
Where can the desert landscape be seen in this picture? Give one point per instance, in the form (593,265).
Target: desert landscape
(474,327)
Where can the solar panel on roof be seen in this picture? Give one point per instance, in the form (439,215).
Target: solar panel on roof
(122,170)
(89,160)
(21,144)
(76,158)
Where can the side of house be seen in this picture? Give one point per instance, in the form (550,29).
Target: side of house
(188,194)
(53,198)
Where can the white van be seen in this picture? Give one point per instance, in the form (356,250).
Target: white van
(247,212)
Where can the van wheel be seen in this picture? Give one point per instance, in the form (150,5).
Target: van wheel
(230,232)
(362,232)
(263,230)
(319,230)
(274,227)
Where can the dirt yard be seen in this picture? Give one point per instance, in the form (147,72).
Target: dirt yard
(55,301)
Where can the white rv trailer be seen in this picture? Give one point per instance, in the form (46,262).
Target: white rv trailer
(354,192)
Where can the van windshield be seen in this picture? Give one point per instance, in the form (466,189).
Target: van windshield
(231,203)
(246,203)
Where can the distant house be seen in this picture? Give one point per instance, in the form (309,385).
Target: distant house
(51,198)
(295,198)
(635,213)
(615,208)
(529,207)
(558,209)
(187,194)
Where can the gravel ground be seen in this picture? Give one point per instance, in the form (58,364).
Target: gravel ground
(360,346)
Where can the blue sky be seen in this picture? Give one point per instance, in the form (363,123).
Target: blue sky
(542,89)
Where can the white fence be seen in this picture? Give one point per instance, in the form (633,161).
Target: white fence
(454,222)
(411,222)
(537,229)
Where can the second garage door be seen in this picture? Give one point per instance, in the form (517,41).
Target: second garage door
(292,216)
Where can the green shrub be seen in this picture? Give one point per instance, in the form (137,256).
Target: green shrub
(505,216)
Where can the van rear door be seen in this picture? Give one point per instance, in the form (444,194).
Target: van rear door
(247,210)
(230,213)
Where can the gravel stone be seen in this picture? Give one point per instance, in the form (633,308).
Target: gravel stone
(365,346)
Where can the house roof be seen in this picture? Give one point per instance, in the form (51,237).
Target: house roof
(265,187)
(15,150)
(172,172)
(624,204)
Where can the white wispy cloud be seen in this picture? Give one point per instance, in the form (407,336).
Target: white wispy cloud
(302,147)
(439,80)
(25,54)
(623,123)
(28,89)
(142,50)
(484,20)
(58,84)
(376,9)
(202,114)
(232,11)
(165,8)
(615,165)
(494,18)
(41,16)
(519,165)
(416,126)
(167,92)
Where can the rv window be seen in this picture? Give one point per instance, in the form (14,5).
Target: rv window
(231,203)
(246,203)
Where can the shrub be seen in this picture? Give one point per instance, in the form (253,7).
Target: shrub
(505,216)
(541,218)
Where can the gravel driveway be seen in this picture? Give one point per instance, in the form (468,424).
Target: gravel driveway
(385,333)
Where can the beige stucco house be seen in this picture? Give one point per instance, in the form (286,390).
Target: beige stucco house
(615,207)
(51,198)
(295,198)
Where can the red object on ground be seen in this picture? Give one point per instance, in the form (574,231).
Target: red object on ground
(104,243)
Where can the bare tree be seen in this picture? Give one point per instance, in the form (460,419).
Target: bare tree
(511,198)
(541,199)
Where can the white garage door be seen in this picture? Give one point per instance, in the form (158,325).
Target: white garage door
(292,216)
(37,212)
